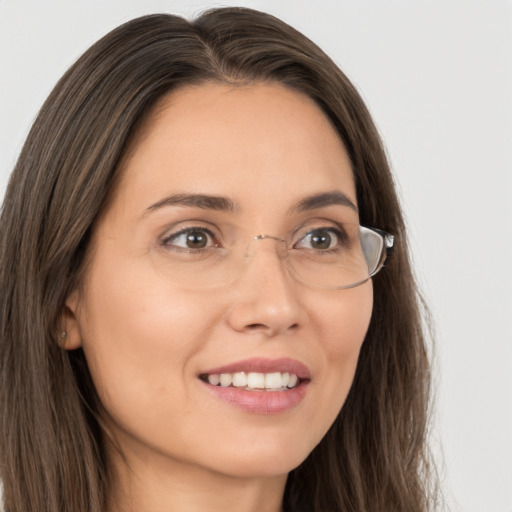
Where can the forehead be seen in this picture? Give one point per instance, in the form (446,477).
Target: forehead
(251,143)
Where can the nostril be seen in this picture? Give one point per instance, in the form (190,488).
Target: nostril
(255,327)
(263,327)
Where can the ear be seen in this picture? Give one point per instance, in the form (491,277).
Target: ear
(70,338)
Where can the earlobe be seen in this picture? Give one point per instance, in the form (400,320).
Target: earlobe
(69,337)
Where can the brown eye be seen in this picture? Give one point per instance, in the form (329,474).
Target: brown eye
(321,239)
(191,238)
(196,240)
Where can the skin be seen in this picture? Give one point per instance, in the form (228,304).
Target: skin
(147,340)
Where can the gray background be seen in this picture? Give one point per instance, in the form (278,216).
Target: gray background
(437,76)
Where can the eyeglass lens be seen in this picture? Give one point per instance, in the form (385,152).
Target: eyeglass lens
(318,257)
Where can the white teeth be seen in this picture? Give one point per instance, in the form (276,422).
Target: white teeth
(214,379)
(225,380)
(255,380)
(273,380)
(239,380)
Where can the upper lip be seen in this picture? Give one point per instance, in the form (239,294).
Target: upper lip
(263,365)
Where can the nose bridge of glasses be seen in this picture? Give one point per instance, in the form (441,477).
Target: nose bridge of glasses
(279,244)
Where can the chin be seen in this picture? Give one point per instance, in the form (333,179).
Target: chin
(263,459)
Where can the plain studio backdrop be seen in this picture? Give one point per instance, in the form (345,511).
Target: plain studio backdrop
(437,77)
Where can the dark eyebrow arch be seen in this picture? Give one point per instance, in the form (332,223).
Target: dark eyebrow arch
(315,201)
(202,201)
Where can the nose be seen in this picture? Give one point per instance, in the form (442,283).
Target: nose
(266,297)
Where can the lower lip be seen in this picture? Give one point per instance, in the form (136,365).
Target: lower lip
(261,402)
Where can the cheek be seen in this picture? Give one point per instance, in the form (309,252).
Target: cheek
(344,320)
(344,325)
(138,336)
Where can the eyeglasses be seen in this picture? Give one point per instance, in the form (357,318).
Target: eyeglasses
(335,257)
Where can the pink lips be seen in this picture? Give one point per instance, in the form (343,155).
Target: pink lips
(262,402)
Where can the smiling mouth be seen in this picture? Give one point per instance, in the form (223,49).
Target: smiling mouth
(253,381)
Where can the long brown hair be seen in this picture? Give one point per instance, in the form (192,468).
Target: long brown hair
(374,457)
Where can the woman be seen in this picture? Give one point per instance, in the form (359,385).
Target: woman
(183,228)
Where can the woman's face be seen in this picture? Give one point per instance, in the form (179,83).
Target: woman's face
(215,165)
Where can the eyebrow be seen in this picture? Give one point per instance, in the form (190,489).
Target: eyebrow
(334,197)
(202,201)
(219,203)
